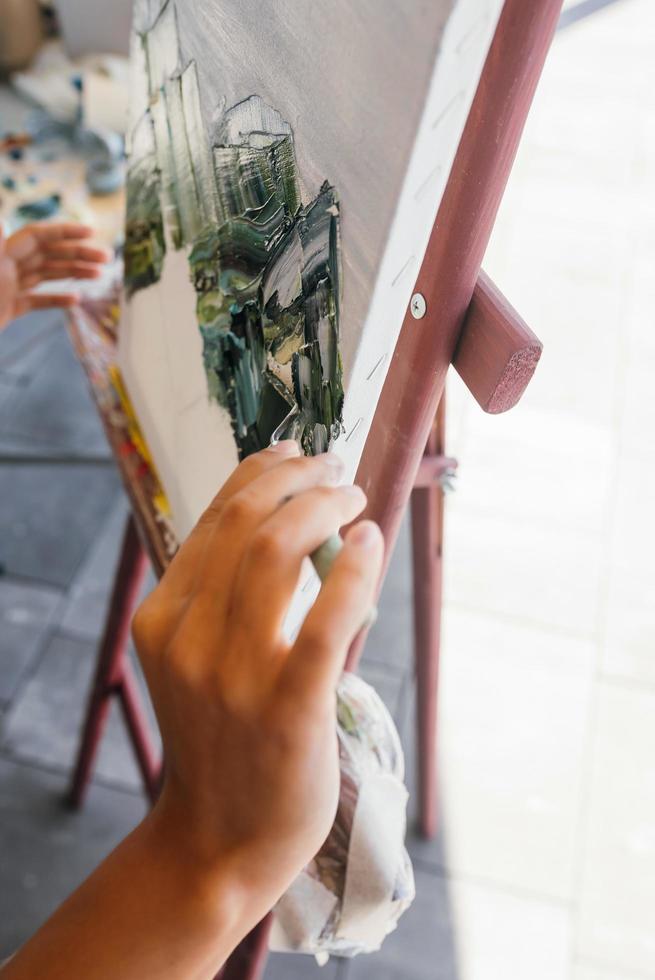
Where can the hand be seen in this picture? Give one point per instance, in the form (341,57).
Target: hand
(247,719)
(40,252)
(249,730)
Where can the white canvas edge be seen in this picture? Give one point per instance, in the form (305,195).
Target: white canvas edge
(465,44)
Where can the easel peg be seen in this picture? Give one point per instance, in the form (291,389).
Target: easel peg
(497,353)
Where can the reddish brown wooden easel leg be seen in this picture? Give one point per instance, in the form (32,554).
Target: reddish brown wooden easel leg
(248,961)
(136,720)
(114,676)
(427,540)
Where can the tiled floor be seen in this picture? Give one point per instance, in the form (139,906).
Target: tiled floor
(544,867)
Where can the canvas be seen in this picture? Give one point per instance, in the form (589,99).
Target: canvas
(286,163)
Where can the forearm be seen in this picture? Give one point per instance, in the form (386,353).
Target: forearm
(143,913)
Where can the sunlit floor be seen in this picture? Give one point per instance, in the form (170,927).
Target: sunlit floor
(548,696)
(544,868)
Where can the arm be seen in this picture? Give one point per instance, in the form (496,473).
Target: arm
(248,725)
(41,252)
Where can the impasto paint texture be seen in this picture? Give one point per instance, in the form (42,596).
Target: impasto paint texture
(287,160)
(263,264)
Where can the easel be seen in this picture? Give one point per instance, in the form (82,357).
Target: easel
(468,323)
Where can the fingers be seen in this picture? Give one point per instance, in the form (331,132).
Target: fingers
(63,252)
(247,471)
(32,238)
(58,269)
(207,565)
(271,565)
(245,510)
(318,655)
(184,570)
(50,231)
(73,251)
(61,240)
(52,252)
(45,301)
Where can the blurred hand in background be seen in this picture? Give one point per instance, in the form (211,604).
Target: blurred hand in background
(39,253)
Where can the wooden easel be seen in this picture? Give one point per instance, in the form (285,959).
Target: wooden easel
(467,323)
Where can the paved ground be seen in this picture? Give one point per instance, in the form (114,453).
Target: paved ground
(545,867)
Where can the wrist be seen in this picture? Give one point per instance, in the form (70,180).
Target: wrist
(218,880)
(255,872)
(209,895)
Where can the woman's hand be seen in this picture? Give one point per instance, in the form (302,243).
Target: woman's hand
(249,729)
(41,252)
(247,719)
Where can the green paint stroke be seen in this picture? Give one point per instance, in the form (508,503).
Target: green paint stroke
(144,231)
(264,266)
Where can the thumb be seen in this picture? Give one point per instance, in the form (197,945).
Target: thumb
(317,658)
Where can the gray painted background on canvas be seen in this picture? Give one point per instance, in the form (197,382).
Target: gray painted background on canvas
(352,84)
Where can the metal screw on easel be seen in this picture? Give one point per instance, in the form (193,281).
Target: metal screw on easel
(448,480)
(418,306)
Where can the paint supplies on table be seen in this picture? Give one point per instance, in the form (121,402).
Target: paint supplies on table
(356,888)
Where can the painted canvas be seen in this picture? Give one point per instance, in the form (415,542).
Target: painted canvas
(286,163)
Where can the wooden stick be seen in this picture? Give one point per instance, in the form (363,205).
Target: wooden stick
(427,513)
(497,353)
(114,677)
(451,266)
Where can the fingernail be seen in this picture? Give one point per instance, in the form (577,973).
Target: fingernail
(364,535)
(285,447)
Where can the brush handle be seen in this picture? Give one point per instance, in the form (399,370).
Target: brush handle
(323,559)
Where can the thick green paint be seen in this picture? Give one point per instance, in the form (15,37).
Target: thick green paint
(265,267)
(144,232)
